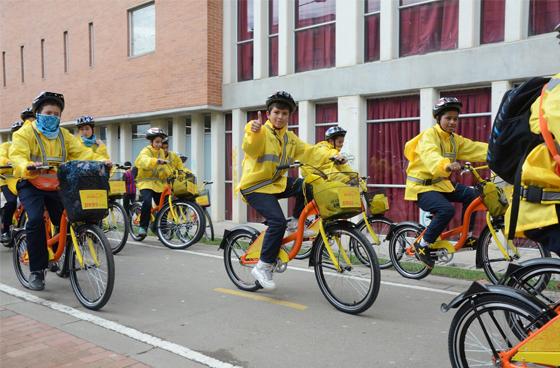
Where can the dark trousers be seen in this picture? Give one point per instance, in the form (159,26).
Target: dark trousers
(147,196)
(439,205)
(267,206)
(8,209)
(128,199)
(34,201)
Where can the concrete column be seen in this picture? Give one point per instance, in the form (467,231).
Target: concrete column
(179,138)
(286,23)
(229,38)
(239,208)
(349,32)
(197,145)
(516,20)
(499,88)
(389,30)
(125,143)
(352,117)
(428,98)
(217,189)
(260,39)
(113,142)
(306,111)
(469,23)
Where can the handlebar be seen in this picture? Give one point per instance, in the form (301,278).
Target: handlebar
(293,165)
(122,167)
(42,167)
(207,182)
(6,167)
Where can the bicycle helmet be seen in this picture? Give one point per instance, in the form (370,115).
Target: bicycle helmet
(165,140)
(283,98)
(44,97)
(445,104)
(27,114)
(334,132)
(85,120)
(16,125)
(155,132)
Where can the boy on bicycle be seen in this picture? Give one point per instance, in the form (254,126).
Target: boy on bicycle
(39,143)
(153,170)
(432,157)
(86,125)
(268,145)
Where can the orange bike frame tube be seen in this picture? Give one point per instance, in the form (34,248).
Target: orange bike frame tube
(60,236)
(476,206)
(309,210)
(166,192)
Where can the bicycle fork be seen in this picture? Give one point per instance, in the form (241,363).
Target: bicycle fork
(79,252)
(330,250)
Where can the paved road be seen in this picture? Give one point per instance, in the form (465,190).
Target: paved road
(186,298)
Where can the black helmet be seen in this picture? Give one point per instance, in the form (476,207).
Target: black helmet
(85,120)
(44,97)
(165,140)
(445,104)
(155,132)
(26,114)
(16,125)
(282,97)
(334,132)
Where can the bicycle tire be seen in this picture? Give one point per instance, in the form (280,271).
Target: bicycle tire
(209,228)
(382,250)
(540,279)
(407,266)
(117,244)
(134,217)
(164,229)
(20,259)
(238,273)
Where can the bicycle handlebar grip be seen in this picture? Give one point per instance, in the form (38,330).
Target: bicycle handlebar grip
(283,167)
(6,167)
(42,167)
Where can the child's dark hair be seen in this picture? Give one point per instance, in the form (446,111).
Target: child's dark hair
(279,105)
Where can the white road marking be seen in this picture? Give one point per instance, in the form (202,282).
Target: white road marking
(123,330)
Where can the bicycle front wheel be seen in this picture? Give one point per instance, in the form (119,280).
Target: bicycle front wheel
(116,226)
(209,229)
(403,258)
(180,226)
(349,282)
(20,257)
(134,219)
(92,268)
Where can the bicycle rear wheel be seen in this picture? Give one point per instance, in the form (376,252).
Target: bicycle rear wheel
(236,245)
(116,226)
(134,219)
(92,280)
(353,287)
(381,226)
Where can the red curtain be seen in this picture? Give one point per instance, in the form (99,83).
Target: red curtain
(245,61)
(244,33)
(492,20)
(386,140)
(544,15)
(372,37)
(228,172)
(273,56)
(429,27)
(324,113)
(315,48)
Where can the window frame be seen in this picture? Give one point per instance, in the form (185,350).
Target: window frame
(131,29)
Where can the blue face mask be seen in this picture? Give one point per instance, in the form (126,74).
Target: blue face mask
(48,125)
(89,141)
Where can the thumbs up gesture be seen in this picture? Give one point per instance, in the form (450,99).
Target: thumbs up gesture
(257,124)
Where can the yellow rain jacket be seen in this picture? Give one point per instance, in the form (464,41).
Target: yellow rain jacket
(328,165)
(101,150)
(430,152)
(539,167)
(150,174)
(25,149)
(267,149)
(176,163)
(11,180)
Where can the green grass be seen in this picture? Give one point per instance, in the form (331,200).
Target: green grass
(459,273)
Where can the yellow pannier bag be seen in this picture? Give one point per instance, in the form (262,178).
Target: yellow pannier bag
(378,203)
(336,198)
(494,199)
(117,185)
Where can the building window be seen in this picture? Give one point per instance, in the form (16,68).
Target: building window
(326,116)
(22,64)
(139,140)
(142,29)
(391,122)
(188,141)
(544,15)
(4,68)
(315,34)
(428,26)
(245,26)
(229,168)
(66,53)
(91,39)
(492,19)
(272,38)
(43,58)
(372,14)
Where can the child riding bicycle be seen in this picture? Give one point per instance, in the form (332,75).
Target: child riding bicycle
(86,129)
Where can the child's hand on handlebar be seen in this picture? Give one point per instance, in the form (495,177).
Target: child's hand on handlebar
(161,161)
(454,166)
(339,159)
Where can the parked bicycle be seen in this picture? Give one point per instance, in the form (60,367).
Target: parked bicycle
(116,225)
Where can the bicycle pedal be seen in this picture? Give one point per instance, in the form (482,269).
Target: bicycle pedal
(53,267)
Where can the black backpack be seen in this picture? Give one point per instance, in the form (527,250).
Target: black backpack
(511,139)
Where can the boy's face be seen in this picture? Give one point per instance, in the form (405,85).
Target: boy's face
(48,109)
(278,117)
(165,147)
(156,142)
(449,121)
(337,142)
(85,131)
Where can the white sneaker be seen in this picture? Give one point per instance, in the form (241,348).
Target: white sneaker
(263,273)
(293,227)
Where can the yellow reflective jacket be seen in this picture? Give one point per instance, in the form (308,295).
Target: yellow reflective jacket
(25,149)
(11,180)
(430,152)
(269,148)
(176,163)
(100,149)
(539,167)
(328,165)
(150,174)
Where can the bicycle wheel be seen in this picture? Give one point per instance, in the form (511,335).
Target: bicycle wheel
(540,280)
(493,323)
(92,281)
(402,253)
(235,246)
(134,219)
(116,226)
(185,229)
(381,226)
(353,287)
(493,260)
(20,259)
(209,229)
